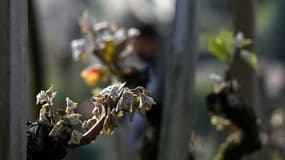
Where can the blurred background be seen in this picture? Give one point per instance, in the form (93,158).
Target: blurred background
(55,24)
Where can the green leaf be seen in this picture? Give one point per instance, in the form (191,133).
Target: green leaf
(222,46)
(250,58)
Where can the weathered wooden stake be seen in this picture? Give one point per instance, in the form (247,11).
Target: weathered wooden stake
(176,129)
(13,79)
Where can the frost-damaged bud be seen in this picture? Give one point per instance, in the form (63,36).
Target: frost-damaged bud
(123,99)
(75,137)
(109,104)
(108,42)
(45,98)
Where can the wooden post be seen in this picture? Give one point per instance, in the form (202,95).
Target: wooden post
(13,78)
(244,21)
(180,68)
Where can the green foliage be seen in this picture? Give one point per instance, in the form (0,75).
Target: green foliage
(250,57)
(222,46)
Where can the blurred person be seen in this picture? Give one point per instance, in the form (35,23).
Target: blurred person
(146,47)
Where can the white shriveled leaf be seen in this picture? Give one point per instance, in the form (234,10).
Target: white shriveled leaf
(41,97)
(72,119)
(46,96)
(120,36)
(87,124)
(126,102)
(57,129)
(75,137)
(133,32)
(98,110)
(70,103)
(113,91)
(146,103)
(78,47)
(217,78)
(109,123)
